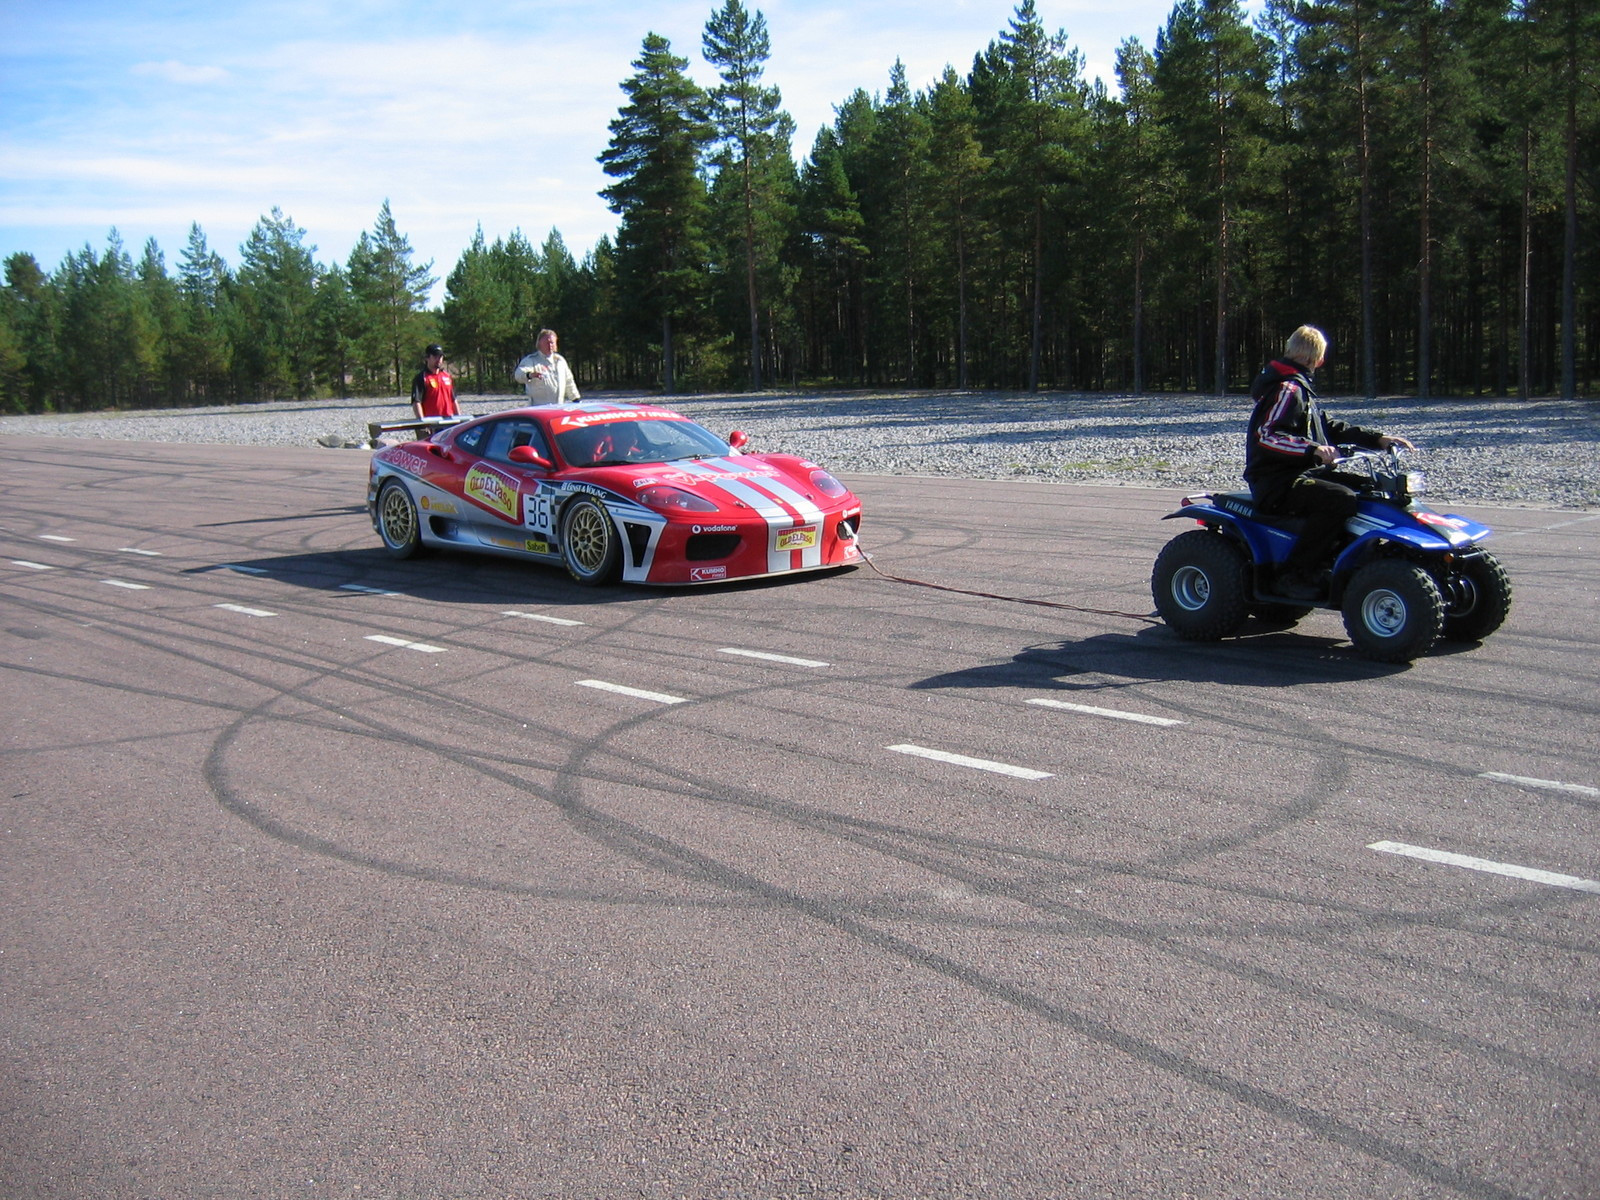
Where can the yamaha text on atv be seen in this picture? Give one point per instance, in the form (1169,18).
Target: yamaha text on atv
(1403,575)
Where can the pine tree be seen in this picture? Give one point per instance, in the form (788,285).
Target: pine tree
(275,335)
(1211,76)
(657,143)
(203,283)
(32,314)
(392,293)
(754,135)
(1140,182)
(957,165)
(896,213)
(162,306)
(1029,88)
(477,313)
(834,255)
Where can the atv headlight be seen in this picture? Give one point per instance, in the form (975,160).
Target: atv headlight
(1416,483)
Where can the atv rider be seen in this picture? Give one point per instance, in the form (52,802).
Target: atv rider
(1289,435)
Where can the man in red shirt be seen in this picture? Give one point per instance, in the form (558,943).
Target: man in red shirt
(433,392)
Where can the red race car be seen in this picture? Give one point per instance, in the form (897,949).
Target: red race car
(612,491)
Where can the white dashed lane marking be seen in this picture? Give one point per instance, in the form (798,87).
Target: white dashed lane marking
(55,537)
(365,590)
(541,617)
(123,583)
(977,764)
(136,550)
(1532,874)
(636,693)
(32,566)
(777,658)
(403,644)
(249,612)
(243,570)
(1092,711)
(1551,785)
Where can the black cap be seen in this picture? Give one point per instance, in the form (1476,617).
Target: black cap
(434,349)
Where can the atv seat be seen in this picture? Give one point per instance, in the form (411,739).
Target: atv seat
(1243,504)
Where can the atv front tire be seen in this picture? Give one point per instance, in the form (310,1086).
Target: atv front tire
(1393,611)
(1477,598)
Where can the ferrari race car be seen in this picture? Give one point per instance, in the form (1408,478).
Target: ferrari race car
(628,491)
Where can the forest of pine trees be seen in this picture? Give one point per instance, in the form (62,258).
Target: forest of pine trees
(1421,178)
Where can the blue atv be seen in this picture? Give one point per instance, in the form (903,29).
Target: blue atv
(1402,574)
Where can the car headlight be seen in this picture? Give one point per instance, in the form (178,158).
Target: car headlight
(828,485)
(667,499)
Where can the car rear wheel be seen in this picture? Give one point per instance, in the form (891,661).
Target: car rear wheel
(398,522)
(590,547)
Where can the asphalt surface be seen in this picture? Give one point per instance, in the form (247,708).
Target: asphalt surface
(288,911)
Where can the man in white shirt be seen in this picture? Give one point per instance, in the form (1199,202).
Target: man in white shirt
(545,374)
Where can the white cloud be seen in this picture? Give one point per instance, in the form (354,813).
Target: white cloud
(173,71)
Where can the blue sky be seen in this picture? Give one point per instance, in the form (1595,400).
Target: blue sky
(147,116)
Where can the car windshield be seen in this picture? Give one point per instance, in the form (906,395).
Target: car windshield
(640,440)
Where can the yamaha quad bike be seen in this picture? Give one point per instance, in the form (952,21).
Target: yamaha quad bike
(1402,574)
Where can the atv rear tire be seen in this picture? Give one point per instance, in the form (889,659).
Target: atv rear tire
(1199,586)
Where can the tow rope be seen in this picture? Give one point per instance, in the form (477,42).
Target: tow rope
(944,587)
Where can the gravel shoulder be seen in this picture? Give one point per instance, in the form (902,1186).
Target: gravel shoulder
(1543,453)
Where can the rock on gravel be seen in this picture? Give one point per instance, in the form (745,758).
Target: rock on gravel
(1497,451)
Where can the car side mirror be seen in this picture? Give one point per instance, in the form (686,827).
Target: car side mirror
(438,451)
(738,439)
(529,457)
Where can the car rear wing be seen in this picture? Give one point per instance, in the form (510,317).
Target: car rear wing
(421,426)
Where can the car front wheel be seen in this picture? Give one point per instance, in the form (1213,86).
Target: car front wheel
(590,547)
